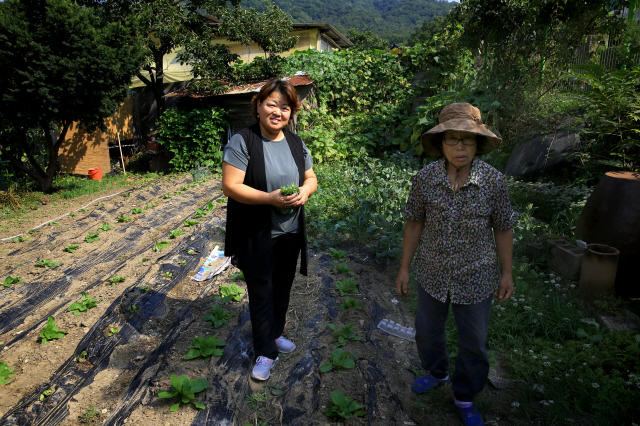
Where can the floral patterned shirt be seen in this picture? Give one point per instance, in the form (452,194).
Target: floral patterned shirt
(457,255)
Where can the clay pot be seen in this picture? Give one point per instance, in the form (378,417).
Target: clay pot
(612,217)
(598,271)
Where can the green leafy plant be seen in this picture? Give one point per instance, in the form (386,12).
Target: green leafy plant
(182,262)
(205,347)
(84,210)
(105,227)
(343,334)
(189,223)
(343,268)
(414,370)
(71,248)
(175,233)
(81,355)
(339,359)
(168,274)
(46,394)
(115,280)
(51,332)
(133,308)
(90,416)
(83,306)
(200,213)
(54,223)
(45,263)
(72,215)
(33,231)
(100,204)
(5,373)
(184,188)
(20,239)
(145,288)
(166,196)
(137,211)
(349,303)
(91,237)
(343,406)
(10,280)
(127,195)
(337,254)
(191,251)
(231,292)
(237,276)
(348,286)
(288,190)
(221,200)
(217,317)
(210,206)
(160,245)
(113,331)
(123,219)
(143,260)
(184,390)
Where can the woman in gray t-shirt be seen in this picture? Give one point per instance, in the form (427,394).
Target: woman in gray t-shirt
(257,162)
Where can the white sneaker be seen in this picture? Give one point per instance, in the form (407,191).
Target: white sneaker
(285,346)
(262,369)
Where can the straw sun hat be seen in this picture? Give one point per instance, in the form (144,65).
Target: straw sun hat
(462,117)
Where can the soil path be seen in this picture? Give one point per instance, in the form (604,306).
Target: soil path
(99,376)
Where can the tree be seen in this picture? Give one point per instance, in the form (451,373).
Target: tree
(192,26)
(427,31)
(366,40)
(58,65)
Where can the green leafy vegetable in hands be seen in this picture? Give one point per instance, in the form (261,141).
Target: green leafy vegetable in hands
(343,268)
(175,233)
(5,373)
(92,237)
(83,306)
(348,286)
(188,223)
(137,211)
(337,254)
(288,190)
(343,334)
(217,317)
(51,332)
(350,303)
(205,347)
(231,292)
(160,245)
(339,359)
(45,263)
(71,248)
(343,406)
(105,227)
(10,280)
(184,390)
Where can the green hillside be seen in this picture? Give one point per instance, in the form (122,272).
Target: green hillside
(392,20)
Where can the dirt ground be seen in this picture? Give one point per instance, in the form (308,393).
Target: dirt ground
(157,312)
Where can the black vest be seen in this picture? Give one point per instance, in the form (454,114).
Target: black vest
(248,234)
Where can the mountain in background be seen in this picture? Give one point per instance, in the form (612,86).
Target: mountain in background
(393,20)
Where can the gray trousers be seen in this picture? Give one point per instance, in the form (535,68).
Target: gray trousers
(472,361)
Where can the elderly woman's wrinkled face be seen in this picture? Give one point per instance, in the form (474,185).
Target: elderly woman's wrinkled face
(459,147)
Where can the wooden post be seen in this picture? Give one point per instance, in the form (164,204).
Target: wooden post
(115,116)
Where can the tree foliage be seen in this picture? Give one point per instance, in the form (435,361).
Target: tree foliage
(59,65)
(366,40)
(427,31)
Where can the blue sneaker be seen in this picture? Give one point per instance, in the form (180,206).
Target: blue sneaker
(426,383)
(470,416)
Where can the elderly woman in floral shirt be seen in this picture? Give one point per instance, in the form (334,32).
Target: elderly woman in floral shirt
(459,222)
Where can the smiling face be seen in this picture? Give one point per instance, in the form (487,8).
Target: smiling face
(273,113)
(459,155)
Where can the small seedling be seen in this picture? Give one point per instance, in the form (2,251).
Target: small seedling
(237,276)
(105,227)
(350,303)
(190,251)
(45,263)
(128,194)
(414,370)
(122,219)
(338,359)
(343,334)
(90,416)
(100,204)
(348,286)
(184,188)
(210,206)
(221,200)
(115,280)
(184,390)
(182,262)
(20,239)
(33,231)
(137,211)
(54,223)
(71,248)
(113,331)
(217,317)
(343,406)
(200,213)
(286,191)
(10,280)
(81,355)
(133,308)
(231,292)
(175,233)
(337,254)
(205,347)
(47,393)
(160,245)
(51,332)
(72,215)
(343,268)
(189,223)
(145,288)
(143,260)
(256,398)
(92,237)
(84,210)
(5,373)
(168,274)
(83,306)
(148,206)
(166,196)
(122,257)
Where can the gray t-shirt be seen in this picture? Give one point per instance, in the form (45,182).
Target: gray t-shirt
(281,170)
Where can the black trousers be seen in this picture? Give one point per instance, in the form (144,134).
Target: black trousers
(269,299)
